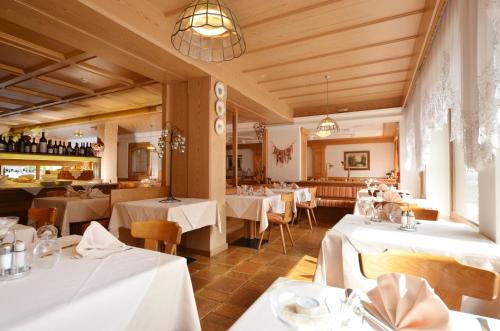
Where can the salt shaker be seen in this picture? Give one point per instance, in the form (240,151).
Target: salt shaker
(20,251)
(5,258)
(411,219)
(404,219)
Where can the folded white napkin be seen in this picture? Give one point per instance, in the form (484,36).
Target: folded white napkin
(276,185)
(392,208)
(96,193)
(383,188)
(295,186)
(98,243)
(408,303)
(70,192)
(391,196)
(268,192)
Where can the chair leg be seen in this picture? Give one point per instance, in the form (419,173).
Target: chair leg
(314,217)
(289,233)
(309,218)
(270,229)
(283,239)
(262,237)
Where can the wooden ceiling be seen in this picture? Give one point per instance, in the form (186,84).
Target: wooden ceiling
(45,80)
(371,48)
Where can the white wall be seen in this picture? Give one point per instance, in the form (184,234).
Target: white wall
(246,158)
(409,177)
(140,137)
(282,137)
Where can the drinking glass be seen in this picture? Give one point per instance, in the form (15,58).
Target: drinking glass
(47,251)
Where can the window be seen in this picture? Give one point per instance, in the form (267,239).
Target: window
(465,187)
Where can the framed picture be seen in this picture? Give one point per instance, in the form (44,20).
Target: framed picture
(357,160)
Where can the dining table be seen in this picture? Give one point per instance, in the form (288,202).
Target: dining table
(75,209)
(338,263)
(189,213)
(260,316)
(300,194)
(133,289)
(253,209)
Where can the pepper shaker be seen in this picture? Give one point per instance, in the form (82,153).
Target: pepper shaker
(5,258)
(20,252)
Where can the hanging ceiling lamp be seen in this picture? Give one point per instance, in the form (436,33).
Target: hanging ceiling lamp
(207,30)
(327,125)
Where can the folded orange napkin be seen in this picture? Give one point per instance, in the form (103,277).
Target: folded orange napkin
(383,188)
(391,196)
(407,303)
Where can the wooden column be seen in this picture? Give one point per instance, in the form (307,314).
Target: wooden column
(318,161)
(235,148)
(304,133)
(264,154)
(164,127)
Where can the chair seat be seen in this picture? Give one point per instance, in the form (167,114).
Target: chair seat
(304,205)
(275,218)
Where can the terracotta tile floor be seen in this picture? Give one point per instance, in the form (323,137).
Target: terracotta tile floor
(227,284)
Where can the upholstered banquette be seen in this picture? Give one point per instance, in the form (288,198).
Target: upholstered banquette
(336,194)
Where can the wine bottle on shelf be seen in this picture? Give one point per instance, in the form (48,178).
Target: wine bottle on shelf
(69,149)
(22,144)
(27,146)
(82,150)
(11,147)
(3,145)
(50,147)
(62,148)
(76,150)
(34,146)
(42,144)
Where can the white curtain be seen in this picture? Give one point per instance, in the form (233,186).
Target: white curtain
(461,73)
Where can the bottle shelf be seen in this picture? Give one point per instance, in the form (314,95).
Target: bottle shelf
(47,157)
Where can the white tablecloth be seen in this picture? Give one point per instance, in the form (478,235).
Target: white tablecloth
(421,203)
(190,213)
(260,316)
(338,263)
(131,290)
(23,232)
(254,207)
(75,209)
(299,195)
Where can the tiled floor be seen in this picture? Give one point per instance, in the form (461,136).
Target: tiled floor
(227,284)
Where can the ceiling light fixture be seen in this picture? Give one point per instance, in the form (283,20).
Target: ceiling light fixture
(78,133)
(207,30)
(328,125)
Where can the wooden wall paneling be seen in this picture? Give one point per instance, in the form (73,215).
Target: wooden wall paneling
(235,148)
(304,134)
(140,193)
(178,113)
(318,161)
(349,141)
(265,147)
(164,127)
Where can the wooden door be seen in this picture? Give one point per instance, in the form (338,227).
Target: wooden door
(139,161)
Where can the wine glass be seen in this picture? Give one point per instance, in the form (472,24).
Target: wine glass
(47,251)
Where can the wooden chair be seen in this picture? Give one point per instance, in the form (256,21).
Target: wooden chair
(449,278)
(309,207)
(157,234)
(59,193)
(42,216)
(281,219)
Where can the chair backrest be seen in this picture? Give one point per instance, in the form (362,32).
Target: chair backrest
(231,190)
(312,190)
(59,193)
(158,233)
(288,198)
(140,193)
(128,184)
(426,214)
(449,278)
(42,216)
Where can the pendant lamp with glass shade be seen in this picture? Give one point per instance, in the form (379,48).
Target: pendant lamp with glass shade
(207,30)
(327,125)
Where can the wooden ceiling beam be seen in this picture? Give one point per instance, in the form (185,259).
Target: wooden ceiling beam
(11,69)
(351,106)
(323,55)
(341,90)
(16,102)
(96,118)
(104,73)
(35,93)
(59,82)
(433,11)
(28,46)
(360,64)
(385,73)
(350,141)
(335,31)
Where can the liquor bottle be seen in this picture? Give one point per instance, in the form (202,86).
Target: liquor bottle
(61,148)
(50,147)
(82,150)
(11,146)
(42,144)
(69,149)
(27,146)
(34,146)
(3,145)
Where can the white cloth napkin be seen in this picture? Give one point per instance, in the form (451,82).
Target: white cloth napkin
(96,193)
(392,207)
(383,188)
(70,192)
(98,243)
(391,196)
(408,303)
(268,192)
(276,185)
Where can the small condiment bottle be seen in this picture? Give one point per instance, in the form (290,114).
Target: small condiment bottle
(411,219)
(404,219)
(20,251)
(5,258)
